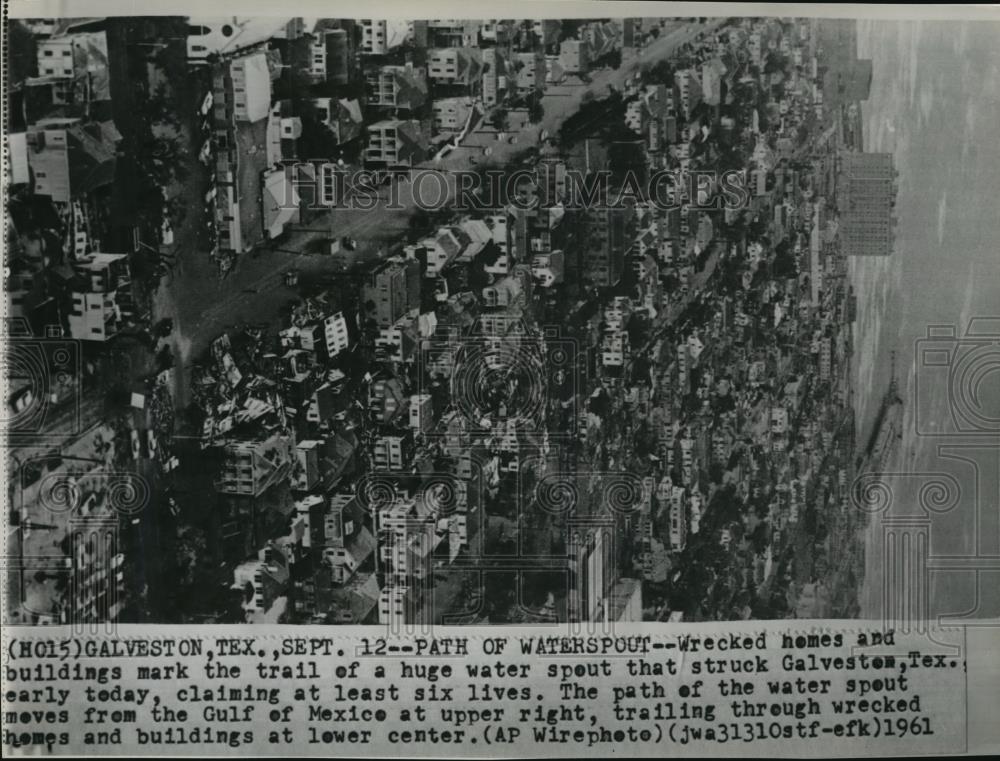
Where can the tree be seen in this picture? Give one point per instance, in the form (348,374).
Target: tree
(536,112)
(499,119)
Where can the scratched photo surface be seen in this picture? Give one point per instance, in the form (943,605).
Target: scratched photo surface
(501,321)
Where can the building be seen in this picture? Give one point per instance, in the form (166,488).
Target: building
(393,607)
(70,158)
(380,36)
(242,114)
(386,400)
(74,67)
(530,68)
(421,412)
(614,348)
(494,79)
(251,467)
(280,202)
(335,334)
(332,55)
(401,87)
(574,56)
(503,292)
(452,114)
(341,116)
(393,290)
(347,541)
(393,452)
(867,223)
(677,524)
(397,143)
(232,36)
(591,570)
(609,233)
(397,343)
(94,316)
(455,66)
(305,468)
(458,33)
(104,291)
(548,269)
(262,582)
(687,89)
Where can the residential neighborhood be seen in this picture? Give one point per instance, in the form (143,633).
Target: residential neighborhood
(296,397)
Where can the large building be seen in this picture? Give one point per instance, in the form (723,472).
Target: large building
(242,112)
(608,236)
(869,198)
(591,567)
(393,289)
(396,143)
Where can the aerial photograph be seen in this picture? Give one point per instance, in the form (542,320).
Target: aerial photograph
(410,322)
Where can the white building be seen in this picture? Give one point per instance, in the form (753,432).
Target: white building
(335,333)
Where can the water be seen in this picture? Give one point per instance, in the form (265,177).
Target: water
(935,103)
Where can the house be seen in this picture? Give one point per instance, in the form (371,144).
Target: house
(393,451)
(402,87)
(73,67)
(263,583)
(421,412)
(97,304)
(70,158)
(332,52)
(243,114)
(335,334)
(305,467)
(283,131)
(393,289)
(250,467)
(604,37)
(494,79)
(457,33)
(548,268)
(574,56)
(503,293)
(396,143)
(280,201)
(530,69)
(347,541)
(386,399)
(380,36)
(397,343)
(455,66)
(341,116)
(452,114)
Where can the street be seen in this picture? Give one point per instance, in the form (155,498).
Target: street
(202,305)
